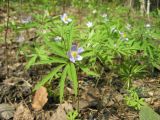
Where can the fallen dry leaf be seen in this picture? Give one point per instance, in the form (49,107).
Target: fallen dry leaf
(6,111)
(60,113)
(22,113)
(90,98)
(40,98)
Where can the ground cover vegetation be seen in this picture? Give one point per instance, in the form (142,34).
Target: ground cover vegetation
(80,60)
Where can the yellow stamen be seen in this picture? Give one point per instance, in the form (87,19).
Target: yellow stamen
(74,54)
(65,18)
(124,35)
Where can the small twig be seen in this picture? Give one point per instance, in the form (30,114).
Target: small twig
(5,39)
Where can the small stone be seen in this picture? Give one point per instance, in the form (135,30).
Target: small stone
(150,93)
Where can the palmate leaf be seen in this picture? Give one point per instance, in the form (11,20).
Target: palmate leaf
(56,49)
(147,113)
(41,53)
(62,82)
(89,72)
(31,61)
(53,60)
(88,53)
(73,77)
(47,77)
(68,35)
(155,35)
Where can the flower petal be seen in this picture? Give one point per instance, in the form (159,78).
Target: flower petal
(74,48)
(72,59)
(80,50)
(69,20)
(58,38)
(79,58)
(89,24)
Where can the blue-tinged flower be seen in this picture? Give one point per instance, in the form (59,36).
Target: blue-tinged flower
(65,18)
(58,38)
(89,24)
(74,53)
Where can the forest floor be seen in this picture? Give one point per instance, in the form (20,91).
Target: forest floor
(102,101)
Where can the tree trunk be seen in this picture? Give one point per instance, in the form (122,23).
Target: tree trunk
(148,8)
(142,7)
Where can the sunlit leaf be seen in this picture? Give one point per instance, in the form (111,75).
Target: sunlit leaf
(47,77)
(89,72)
(62,82)
(31,62)
(147,113)
(73,77)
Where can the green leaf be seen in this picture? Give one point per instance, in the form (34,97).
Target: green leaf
(47,77)
(62,81)
(56,49)
(68,35)
(147,113)
(88,54)
(89,72)
(73,77)
(155,35)
(31,62)
(53,60)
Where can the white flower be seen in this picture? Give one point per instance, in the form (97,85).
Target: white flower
(113,29)
(123,36)
(128,26)
(65,18)
(126,39)
(44,31)
(94,11)
(89,24)
(46,13)
(58,38)
(26,19)
(104,15)
(20,38)
(148,25)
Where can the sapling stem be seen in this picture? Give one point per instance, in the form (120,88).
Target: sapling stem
(5,39)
